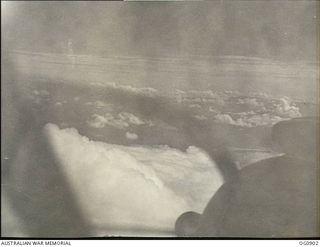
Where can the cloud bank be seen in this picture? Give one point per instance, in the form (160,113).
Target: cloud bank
(133,186)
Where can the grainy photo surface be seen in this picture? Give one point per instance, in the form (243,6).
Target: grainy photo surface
(160,119)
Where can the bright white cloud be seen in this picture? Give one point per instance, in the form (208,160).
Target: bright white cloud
(148,91)
(132,119)
(131,136)
(98,121)
(247,120)
(224,118)
(123,120)
(122,186)
(286,108)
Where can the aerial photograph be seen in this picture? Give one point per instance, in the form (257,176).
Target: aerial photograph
(162,119)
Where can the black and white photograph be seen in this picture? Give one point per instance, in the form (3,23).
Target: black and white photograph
(160,119)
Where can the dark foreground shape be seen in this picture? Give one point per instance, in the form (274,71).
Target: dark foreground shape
(275,198)
(187,224)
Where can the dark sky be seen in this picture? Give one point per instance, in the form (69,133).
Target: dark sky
(284,30)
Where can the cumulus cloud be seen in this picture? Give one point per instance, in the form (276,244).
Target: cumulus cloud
(262,120)
(99,121)
(121,121)
(286,108)
(224,118)
(261,115)
(247,120)
(130,186)
(244,114)
(250,102)
(131,136)
(147,91)
(131,118)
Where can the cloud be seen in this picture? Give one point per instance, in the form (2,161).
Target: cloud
(99,121)
(224,118)
(131,136)
(248,120)
(146,91)
(122,121)
(250,102)
(261,120)
(212,109)
(132,119)
(101,104)
(129,186)
(198,96)
(261,115)
(287,109)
